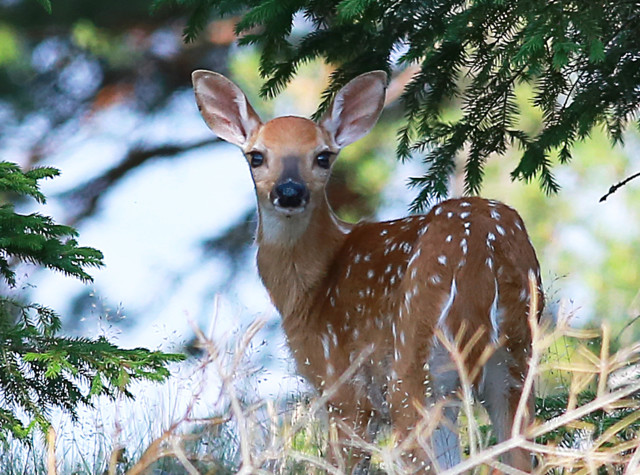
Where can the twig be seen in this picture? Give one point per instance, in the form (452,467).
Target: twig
(182,457)
(154,452)
(615,187)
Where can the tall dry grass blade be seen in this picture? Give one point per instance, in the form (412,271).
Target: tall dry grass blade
(51,452)
(459,358)
(611,432)
(506,469)
(536,354)
(604,359)
(633,466)
(117,449)
(581,411)
(486,456)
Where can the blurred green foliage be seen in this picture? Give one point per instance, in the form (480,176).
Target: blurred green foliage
(580,60)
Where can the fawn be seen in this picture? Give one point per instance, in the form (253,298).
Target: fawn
(461,271)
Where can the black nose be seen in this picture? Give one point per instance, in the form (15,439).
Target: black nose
(290,194)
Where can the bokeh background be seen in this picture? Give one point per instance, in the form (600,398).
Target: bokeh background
(102,91)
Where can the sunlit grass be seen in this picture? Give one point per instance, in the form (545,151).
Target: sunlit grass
(586,421)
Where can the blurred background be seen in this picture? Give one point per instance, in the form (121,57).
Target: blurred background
(101,90)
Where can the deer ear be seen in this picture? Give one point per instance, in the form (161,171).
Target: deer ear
(224,107)
(356,108)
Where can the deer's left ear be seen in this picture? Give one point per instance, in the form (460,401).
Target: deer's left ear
(356,108)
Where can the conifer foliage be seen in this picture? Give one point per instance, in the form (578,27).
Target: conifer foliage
(581,58)
(40,370)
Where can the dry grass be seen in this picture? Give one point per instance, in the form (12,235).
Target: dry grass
(590,427)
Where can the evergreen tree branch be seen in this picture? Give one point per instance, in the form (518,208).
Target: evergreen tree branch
(579,57)
(40,370)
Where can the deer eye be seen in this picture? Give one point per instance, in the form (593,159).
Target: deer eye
(256,159)
(323,159)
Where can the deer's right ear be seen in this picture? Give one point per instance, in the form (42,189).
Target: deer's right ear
(224,107)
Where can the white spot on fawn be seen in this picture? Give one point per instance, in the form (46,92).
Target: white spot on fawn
(325,346)
(333,335)
(463,246)
(493,315)
(449,215)
(384,232)
(435,279)
(465,204)
(357,258)
(449,238)
(442,260)
(438,210)
(465,215)
(500,229)
(414,257)
(370,274)
(495,215)
(523,295)
(447,306)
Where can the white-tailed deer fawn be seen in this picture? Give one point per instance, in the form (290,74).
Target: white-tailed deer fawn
(461,271)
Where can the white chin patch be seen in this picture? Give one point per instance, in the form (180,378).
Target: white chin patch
(289,211)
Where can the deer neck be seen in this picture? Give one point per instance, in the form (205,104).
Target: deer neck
(295,253)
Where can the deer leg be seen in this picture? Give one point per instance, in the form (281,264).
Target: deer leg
(415,387)
(500,394)
(444,384)
(352,424)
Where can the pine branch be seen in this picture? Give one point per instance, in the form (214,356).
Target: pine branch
(580,58)
(39,370)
